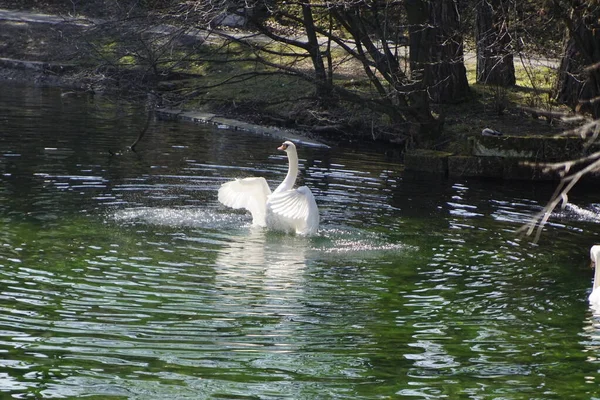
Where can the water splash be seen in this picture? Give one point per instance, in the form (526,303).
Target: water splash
(179,217)
(328,240)
(576,213)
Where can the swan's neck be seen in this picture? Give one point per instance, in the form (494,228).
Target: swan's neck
(596,272)
(290,179)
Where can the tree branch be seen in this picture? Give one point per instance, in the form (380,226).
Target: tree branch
(560,195)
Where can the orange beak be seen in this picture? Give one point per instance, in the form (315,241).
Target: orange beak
(283,147)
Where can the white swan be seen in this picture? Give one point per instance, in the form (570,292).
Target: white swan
(594,298)
(286,209)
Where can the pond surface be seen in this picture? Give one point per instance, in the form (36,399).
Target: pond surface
(122,277)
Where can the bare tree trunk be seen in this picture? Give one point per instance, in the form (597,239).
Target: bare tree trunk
(494,57)
(436,48)
(322,79)
(579,86)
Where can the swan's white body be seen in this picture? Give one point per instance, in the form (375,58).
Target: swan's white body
(594,298)
(286,209)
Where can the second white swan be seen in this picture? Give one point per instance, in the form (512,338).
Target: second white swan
(286,209)
(594,297)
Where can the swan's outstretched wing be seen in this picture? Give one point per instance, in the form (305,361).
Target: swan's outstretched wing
(248,193)
(296,209)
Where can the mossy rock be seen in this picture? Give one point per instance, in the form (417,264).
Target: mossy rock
(528,170)
(508,147)
(427,161)
(563,148)
(533,148)
(499,167)
(471,166)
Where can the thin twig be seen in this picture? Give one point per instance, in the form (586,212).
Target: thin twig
(142,132)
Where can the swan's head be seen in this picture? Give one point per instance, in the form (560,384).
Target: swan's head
(594,255)
(287,146)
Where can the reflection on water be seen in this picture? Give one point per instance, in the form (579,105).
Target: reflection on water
(272,259)
(122,276)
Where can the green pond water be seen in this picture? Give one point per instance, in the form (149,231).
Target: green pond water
(121,277)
